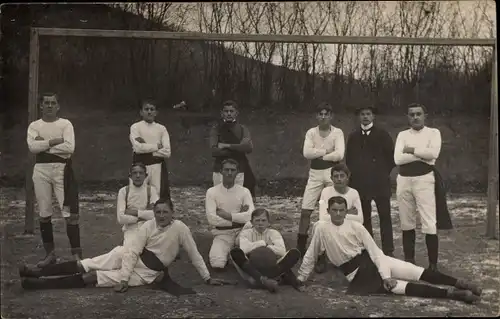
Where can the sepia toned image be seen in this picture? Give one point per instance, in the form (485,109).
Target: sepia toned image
(249,159)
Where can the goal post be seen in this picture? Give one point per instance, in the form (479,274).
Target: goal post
(491,222)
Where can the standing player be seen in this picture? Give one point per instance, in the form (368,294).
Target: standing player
(52,139)
(249,262)
(419,185)
(135,202)
(228,207)
(143,262)
(350,247)
(151,146)
(324,146)
(370,157)
(230,139)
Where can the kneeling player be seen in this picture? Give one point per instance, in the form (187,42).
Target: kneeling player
(268,259)
(349,246)
(142,262)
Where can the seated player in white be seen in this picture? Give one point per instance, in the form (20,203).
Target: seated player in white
(143,262)
(350,247)
(135,202)
(228,207)
(340,178)
(257,267)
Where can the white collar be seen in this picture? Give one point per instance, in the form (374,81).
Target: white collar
(367,127)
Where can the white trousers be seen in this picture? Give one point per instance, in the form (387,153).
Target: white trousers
(154,176)
(416,193)
(48,179)
(108,271)
(224,241)
(317,180)
(217,178)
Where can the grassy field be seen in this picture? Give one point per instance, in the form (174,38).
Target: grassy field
(464,252)
(103,152)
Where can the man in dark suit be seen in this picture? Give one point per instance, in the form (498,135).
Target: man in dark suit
(369,156)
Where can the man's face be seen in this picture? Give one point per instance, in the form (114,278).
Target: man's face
(148,112)
(340,179)
(229,113)
(416,117)
(260,223)
(366,117)
(50,106)
(229,172)
(163,215)
(324,117)
(137,175)
(337,213)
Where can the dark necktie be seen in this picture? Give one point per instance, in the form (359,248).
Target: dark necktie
(365,132)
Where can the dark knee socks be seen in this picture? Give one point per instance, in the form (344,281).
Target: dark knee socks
(437,278)
(302,243)
(73,232)
(432,244)
(47,234)
(409,244)
(74,281)
(62,269)
(425,291)
(241,260)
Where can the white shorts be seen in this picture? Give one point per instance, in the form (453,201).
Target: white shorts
(48,179)
(416,193)
(108,269)
(318,179)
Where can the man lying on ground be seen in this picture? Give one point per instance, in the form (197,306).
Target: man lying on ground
(143,262)
(349,246)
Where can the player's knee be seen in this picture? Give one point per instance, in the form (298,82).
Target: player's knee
(72,219)
(218,262)
(46,219)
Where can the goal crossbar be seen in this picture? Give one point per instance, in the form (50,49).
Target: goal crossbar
(240,37)
(491,221)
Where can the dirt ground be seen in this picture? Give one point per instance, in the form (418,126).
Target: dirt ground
(464,252)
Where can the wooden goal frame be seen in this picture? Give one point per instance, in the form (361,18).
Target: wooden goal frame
(36,33)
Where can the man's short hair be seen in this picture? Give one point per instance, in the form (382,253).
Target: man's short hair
(230,103)
(324,106)
(48,94)
(140,164)
(341,167)
(230,161)
(417,105)
(337,200)
(260,211)
(167,201)
(148,101)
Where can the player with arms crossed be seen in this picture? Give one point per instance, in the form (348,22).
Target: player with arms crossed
(261,257)
(324,146)
(151,146)
(419,184)
(340,178)
(135,202)
(228,207)
(349,246)
(52,139)
(143,262)
(230,139)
